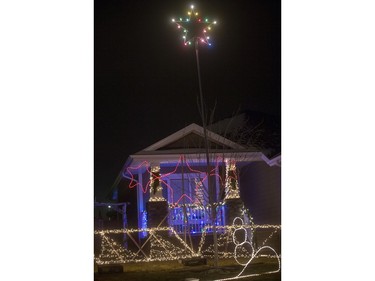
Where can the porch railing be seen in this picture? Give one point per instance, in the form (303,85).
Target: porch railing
(194,218)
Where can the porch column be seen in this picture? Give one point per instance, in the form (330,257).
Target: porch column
(233,202)
(157,205)
(156,190)
(231,183)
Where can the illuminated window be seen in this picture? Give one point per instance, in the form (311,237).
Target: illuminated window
(187,189)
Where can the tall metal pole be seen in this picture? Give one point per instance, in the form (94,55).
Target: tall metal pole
(212,192)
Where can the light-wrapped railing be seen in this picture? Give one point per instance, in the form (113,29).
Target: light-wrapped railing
(194,218)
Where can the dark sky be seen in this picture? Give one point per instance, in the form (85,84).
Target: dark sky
(145,80)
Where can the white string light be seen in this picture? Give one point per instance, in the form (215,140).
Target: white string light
(231,182)
(253,253)
(163,248)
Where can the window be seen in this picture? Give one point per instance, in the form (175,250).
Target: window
(187,189)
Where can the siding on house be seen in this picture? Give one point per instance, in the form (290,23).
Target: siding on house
(260,187)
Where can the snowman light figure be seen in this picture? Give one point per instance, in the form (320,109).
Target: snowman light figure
(241,239)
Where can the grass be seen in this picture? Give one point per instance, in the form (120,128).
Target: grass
(173,270)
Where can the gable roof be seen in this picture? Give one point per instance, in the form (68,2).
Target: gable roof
(192,135)
(169,150)
(252,128)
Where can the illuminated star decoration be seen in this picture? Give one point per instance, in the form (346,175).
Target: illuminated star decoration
(194,27)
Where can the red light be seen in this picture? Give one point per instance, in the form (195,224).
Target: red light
(133,183)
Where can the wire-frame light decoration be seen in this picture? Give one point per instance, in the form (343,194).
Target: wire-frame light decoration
(194,27)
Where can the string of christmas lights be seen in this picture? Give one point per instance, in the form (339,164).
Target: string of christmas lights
(231,183)
(112,252)
(241,244)
(162,247)
(158,178)
(194,28)
(224,242)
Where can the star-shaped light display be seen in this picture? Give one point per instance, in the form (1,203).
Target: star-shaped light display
(194,28)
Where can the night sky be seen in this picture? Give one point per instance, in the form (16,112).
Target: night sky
(145,79)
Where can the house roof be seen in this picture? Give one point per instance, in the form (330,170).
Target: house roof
(189,141)
(253,128)
(191,138)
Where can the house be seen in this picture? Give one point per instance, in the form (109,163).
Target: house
(175,187)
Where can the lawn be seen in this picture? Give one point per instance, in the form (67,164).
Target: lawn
(173,270)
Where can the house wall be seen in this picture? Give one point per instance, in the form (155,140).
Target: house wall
(145,180)
(260,188)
